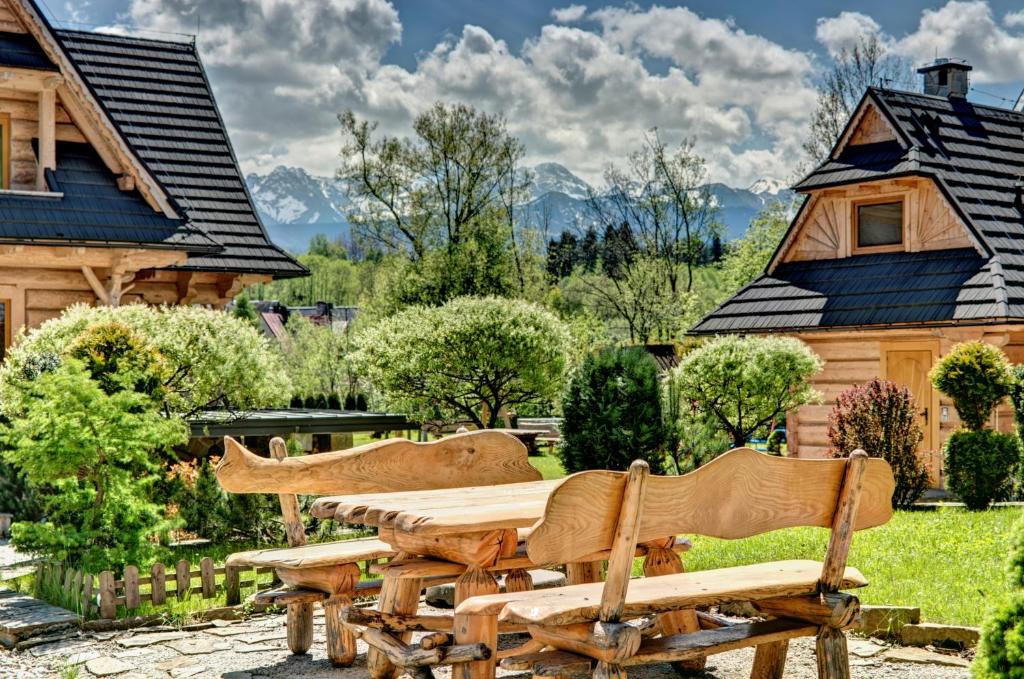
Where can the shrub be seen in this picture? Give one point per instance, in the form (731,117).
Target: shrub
(746,383)
(449,360)
(977,377)
(881,418)
(1017,398)
(88,446)
(206,510)
(1001,651)
(774,443)
(979,465)
(212,359)
(612,413)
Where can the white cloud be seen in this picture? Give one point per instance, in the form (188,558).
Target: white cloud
(845,31)
(283,69)
(568,15)
(1014,19)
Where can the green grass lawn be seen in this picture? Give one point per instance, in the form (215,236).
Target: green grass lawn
(549,466)
(949,562)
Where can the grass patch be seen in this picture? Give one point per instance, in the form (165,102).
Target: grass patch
(949,562)
(549,466)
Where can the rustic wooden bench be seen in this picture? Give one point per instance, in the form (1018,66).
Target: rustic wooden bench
(329,573)
(740,494)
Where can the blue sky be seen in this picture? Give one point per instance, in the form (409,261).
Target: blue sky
(578,82)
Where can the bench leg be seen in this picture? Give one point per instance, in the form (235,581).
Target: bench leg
(769,660)
(401,596)
(833,660)
(300,627)
(582,573)
(341,642)
(660,561)
(471,629)
(605,670)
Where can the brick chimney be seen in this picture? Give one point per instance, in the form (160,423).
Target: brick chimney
(946,78)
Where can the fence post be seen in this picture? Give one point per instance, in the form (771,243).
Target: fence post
(183,578)
(108,609)
(131,587)
(87,595)
(157,584)
(206,575)
(232,594)
(75,595)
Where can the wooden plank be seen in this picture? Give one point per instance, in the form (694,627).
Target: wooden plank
(87,602)
(108,609)
(480,458)
(209,583)
(843,521)
(158,584)
(623,547)
(721,640)
(182,579)
(737,495)
(131,587)
(579,603)
(232,590)
(290,513)
(322,554)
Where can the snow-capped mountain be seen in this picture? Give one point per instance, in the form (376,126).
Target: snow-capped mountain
(296,205)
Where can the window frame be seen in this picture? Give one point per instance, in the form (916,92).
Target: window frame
(855,221)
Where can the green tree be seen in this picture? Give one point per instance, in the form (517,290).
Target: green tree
(314,358)
(244,310)
(451,360)
(612,413)
(749,255)
(85,434)
(747,383)
(977,376)
(332,278)
(212,359)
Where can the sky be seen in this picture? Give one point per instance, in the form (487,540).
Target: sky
(579,83)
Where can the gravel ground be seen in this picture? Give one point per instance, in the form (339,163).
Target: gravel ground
(216,653)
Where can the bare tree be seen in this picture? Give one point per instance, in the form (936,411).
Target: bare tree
(413,195)
(867,64)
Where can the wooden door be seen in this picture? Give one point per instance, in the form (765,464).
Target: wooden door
(910,368)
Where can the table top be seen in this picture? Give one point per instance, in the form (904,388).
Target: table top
(444,511)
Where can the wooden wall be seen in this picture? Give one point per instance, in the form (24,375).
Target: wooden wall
(23,108)
(853,358)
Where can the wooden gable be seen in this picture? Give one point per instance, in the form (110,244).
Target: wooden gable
(824,229)
(871,128)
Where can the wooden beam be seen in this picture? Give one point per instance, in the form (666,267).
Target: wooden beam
(47,130)
(94,283)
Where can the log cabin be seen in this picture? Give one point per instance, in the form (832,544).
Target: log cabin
(909,240)
(118,182)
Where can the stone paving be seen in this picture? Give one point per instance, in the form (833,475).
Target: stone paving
(256,649)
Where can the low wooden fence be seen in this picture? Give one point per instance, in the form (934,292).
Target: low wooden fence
(104,593)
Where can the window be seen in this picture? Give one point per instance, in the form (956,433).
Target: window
(879,224)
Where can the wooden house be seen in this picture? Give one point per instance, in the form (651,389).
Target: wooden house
(118,182)
(910,239)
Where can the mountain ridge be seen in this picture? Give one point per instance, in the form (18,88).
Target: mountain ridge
(296,205)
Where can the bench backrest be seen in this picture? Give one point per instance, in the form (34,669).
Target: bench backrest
(739,494)
(476,458)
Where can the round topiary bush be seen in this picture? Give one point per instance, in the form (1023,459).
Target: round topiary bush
(977,377)
(1001,651)
(612,413)
(979,465)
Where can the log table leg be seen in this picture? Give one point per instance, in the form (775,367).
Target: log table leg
(770,660)
(400,596)
(471,629)
(661,561)
(300,627)
(582,573)
(518,580)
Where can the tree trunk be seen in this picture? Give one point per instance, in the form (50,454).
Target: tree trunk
(738,439)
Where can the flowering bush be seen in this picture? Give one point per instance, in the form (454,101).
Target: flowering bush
(881,418)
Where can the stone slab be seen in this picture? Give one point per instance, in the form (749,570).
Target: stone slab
(22,616)
(886,621)
(255,648)
(106,666)
(231,631)
(182,672)
(864,648)
(920,656)
(198,646)
(175,663)
(140,640)
(443,596)
(947,636)
(65,646)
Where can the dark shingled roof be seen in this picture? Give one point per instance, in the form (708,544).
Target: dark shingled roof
(975,154)
(157,95)
(92,210)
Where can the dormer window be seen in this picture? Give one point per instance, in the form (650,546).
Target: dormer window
(879,226)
